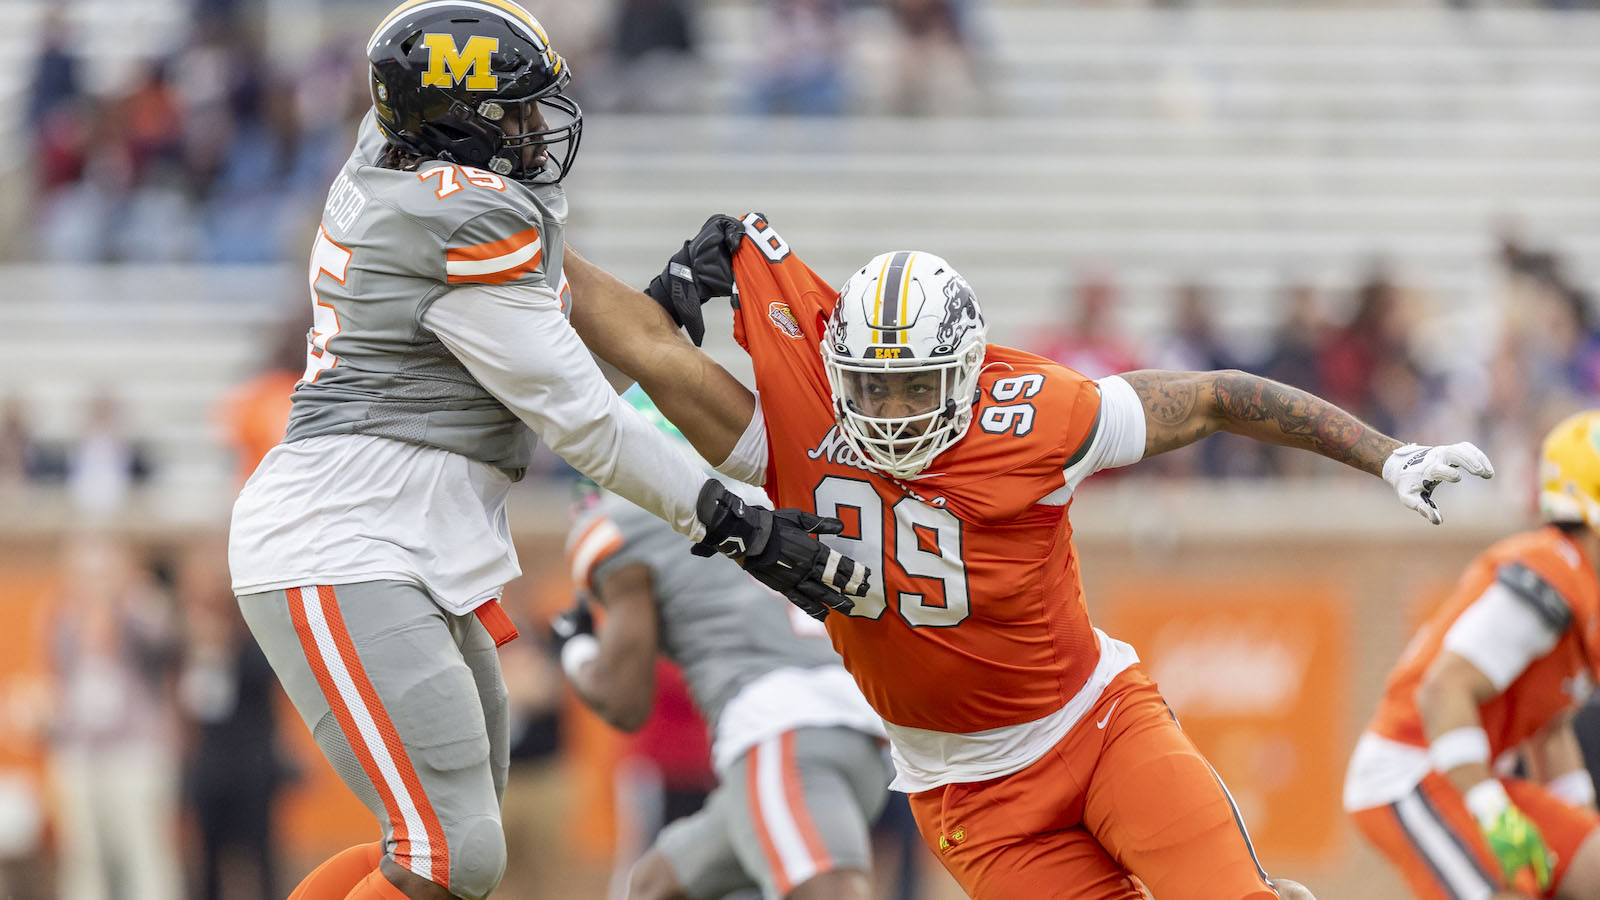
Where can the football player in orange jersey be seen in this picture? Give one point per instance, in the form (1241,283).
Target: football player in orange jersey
(1041,761)
(1497,673)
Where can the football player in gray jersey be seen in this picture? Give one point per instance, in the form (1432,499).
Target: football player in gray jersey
(799,752)
(452,328)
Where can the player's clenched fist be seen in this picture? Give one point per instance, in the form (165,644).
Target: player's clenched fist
(701,270)
(1415,471)
(780,549)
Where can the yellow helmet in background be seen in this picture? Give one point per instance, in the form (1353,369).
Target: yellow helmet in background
(1569,471)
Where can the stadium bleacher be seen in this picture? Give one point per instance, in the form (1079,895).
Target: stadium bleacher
(1233,146)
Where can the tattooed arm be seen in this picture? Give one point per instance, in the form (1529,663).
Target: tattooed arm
(1183,407)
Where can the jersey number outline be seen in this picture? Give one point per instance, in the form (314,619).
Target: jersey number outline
(915,524)
(330,259)
(772,244)
(449,179)
(1016,418)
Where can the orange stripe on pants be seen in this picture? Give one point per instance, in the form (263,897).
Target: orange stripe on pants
(795,792)
(332,655)
(788,836)
(768,849)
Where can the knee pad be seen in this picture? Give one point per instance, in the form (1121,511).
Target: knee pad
(477,857)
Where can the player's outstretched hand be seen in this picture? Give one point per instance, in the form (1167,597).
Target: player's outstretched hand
(780,549)
(1415,471)
(703,269)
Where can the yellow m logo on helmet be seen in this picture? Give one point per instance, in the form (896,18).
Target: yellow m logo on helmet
(447,65)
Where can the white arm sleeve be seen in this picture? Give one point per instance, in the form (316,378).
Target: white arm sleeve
(1500,634)
(1117,438)
(748,460)
(518,345)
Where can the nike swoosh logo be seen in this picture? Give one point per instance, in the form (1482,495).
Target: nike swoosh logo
(1102,723)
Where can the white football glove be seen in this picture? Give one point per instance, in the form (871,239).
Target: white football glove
(1415,471)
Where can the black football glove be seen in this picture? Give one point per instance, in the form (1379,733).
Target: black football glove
(569,624)
(780,549)
(703,269)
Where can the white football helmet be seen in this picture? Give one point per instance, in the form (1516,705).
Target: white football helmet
(903,349)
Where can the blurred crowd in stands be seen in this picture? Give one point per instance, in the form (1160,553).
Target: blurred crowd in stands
(1380,360)
(1374,349)
(98,466)
(215,154)
(209,155)
(215,151)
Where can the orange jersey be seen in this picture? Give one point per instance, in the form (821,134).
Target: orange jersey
(1539,561)
(255,415)
(976,618)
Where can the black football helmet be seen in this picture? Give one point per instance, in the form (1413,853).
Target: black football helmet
(449,77)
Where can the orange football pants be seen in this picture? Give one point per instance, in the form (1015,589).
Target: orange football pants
(1433,840)
(1123,799)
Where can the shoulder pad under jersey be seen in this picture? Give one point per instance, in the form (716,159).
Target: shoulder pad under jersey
(1540,595)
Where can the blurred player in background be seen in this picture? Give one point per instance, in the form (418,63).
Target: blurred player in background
(663,771)
(254,414)
(798,750)
(370,548)
(1495,675)
(1040,759)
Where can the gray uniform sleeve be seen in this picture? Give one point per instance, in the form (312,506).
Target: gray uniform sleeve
(499,246)
(517,343)
(620,534)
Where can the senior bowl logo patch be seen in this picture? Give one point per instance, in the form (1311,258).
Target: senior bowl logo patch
(785,321)
(951,838)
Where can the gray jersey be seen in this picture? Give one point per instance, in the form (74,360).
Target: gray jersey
(391,242)
(721,627)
